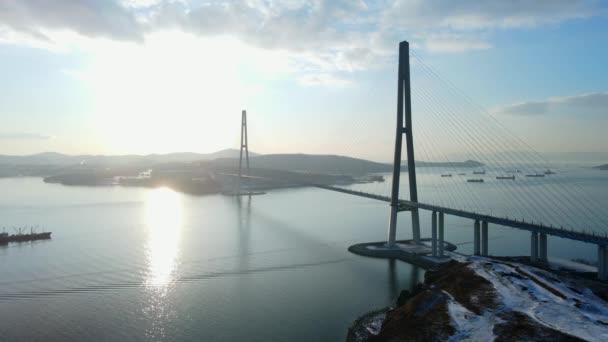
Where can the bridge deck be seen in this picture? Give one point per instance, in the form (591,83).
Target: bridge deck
(502,221)
(533,227)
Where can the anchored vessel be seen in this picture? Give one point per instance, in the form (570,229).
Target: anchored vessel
(536,175)
(5,238)
(447,175)
(506,177)
(475,180)
(483,172)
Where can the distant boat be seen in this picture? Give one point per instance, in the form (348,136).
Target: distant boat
(462,174)
(536,175)
(475,180)
(5,238)
(483,172)
(549,172)
(506,177)
(447,175)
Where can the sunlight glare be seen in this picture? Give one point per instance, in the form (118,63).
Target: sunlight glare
(173,92)
(164,219)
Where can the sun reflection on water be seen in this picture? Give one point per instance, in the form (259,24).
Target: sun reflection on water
(164,219)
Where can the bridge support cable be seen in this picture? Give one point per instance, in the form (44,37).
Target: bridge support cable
(456,135)
(516,140)
(496,162)
(498,130)
(431,177)
(481,150)
(488,199)
(433,152)
(484,129)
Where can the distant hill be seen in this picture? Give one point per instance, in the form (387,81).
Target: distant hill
(324,164)
(50,163)
(327,164)
(602,167)
(53,158)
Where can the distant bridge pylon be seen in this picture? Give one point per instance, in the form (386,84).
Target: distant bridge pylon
(245,147)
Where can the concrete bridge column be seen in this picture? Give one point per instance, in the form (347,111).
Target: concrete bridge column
(434,233)
(484,238)
(534,246)
(441,235)
(602,267)
(542,247)
(476,240)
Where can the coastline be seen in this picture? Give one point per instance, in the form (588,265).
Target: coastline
(501,299)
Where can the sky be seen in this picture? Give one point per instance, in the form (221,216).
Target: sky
(316,76)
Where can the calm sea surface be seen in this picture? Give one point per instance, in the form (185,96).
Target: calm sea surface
(152,264)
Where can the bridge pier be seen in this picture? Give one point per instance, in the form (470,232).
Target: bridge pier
(476,240)
(602,263)
(434,233)
(441,244)
(534,246)
(484,238)
(542,247)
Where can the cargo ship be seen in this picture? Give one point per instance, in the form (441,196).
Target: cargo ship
(482,172)
(536,175)
(506,177)
(5,238)
(446,175)
(475,180)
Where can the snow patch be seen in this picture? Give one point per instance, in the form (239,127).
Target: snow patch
(580,314)
(469,326)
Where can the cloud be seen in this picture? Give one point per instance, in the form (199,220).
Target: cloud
(323,80)
(35,18)
(593,105)
(23,136)
(455,43)
(322,37)
(490,14)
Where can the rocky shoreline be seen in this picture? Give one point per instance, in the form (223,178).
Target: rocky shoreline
(484,299)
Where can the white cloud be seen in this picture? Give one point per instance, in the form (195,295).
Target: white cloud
(323,80)
(87,17)
(489,14)
(593,105)
(455,43)
(320,37)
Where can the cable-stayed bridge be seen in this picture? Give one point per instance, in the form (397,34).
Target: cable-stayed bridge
(511,185)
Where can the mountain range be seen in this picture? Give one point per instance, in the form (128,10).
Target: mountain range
(59,159)
(51,163)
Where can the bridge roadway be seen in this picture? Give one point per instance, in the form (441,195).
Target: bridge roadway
(533,227)
(599,240)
